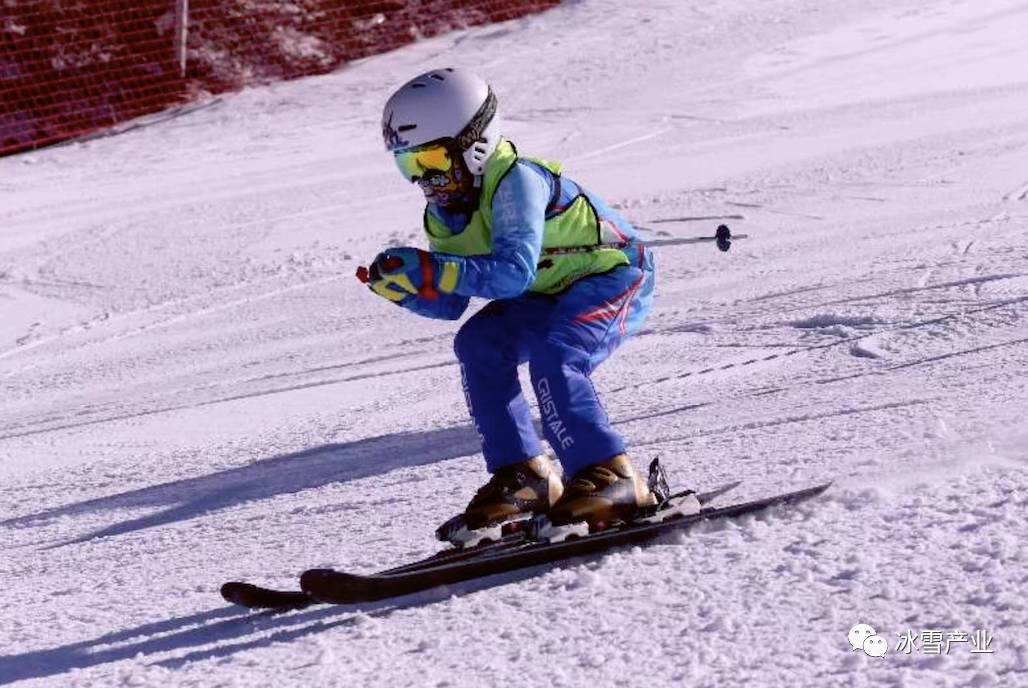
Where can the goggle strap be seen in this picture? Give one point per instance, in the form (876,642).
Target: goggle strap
(472,133)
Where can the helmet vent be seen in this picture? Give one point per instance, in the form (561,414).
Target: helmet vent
(438,77)
(418,85)
(407,127)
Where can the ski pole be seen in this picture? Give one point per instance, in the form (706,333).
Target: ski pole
(723,237)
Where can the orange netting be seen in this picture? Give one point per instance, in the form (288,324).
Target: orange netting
(73,67)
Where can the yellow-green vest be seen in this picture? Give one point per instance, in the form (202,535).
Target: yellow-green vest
(577,227)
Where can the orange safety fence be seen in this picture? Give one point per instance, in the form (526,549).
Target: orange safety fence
(69,68)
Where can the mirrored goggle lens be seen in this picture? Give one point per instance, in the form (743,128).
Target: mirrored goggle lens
(414,163)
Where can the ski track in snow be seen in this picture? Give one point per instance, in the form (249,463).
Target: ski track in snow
(196,390)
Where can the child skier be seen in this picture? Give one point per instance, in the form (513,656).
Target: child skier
(569,281)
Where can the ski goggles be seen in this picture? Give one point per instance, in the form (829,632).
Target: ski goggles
(415,163)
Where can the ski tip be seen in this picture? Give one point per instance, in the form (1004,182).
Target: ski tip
(256,597)
(235,591)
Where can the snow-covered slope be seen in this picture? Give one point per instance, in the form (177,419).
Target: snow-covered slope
(195,388)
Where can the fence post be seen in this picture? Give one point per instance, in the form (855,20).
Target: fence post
(181,33)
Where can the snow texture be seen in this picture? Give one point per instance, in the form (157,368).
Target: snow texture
(196,389)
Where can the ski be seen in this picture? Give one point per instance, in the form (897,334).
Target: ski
(336,587)
(258,597)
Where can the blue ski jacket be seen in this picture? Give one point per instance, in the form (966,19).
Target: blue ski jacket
(520,210)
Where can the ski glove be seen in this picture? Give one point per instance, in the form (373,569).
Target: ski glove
(400,272)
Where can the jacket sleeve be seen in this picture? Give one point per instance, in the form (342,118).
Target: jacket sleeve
(446,307)
(519,214)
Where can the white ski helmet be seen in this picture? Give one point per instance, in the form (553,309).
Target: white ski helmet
(444,105)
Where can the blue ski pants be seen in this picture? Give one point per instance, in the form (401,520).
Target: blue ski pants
(563,338)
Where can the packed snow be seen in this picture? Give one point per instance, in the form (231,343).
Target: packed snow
(196,389)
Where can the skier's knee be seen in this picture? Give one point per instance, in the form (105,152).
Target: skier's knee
(470,341)
(547,357)
(463,341)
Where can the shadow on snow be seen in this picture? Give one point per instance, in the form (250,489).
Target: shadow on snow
(221,633)
(312,468)
(290,473)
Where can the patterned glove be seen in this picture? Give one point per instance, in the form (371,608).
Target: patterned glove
(396,273)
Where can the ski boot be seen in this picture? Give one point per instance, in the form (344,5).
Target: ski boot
(604,495)
(514,493)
